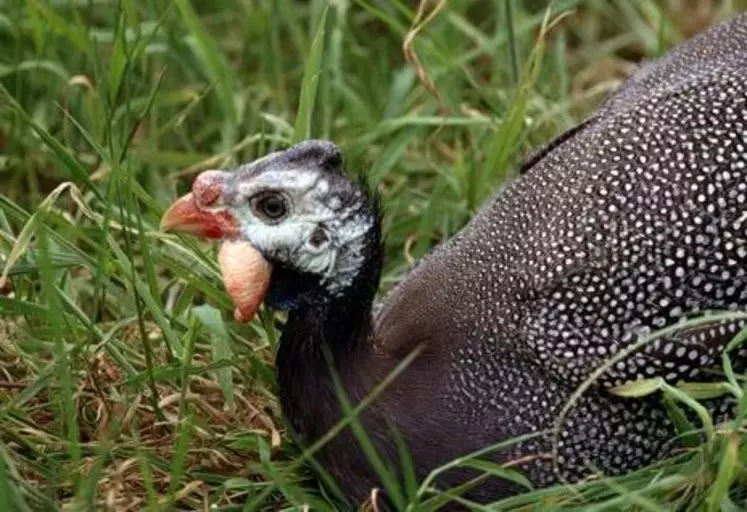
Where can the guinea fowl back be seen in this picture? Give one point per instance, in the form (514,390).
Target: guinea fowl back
(633,222)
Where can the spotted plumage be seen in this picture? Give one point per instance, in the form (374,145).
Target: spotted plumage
(627,224)
(634,222)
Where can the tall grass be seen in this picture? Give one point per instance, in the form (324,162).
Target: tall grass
(124,383)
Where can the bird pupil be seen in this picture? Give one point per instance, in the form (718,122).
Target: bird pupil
(273,206)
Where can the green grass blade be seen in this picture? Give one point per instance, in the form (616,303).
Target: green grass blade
(74,169)
(310,82)
(727,471)
(212,320)
(32,226)
(11,494)
(212,59)
(494,469)
(386,473)
(65,377)
(179,457)
(71,31)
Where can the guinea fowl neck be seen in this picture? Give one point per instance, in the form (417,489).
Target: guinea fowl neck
(329,328)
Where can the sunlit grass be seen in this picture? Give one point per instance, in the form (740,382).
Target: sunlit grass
(123,380)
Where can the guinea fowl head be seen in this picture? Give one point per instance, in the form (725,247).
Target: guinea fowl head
(316,230)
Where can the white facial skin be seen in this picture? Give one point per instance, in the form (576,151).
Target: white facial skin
(309,228)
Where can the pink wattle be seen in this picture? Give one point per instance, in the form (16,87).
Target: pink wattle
(246,276)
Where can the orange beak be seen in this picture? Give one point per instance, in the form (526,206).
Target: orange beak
(192,214)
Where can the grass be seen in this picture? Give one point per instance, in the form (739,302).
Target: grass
(124,383)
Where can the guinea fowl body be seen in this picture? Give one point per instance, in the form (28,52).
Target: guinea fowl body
(632,222)
(624,225)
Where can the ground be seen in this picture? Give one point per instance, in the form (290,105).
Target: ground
(124,383)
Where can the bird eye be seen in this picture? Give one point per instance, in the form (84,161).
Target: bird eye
(270,205)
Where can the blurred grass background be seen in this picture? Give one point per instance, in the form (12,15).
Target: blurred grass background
(124,383)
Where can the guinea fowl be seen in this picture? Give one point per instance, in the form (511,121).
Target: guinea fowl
(620,227)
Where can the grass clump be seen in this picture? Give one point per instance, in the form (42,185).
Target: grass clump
(117,392)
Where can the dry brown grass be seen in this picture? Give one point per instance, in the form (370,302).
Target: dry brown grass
(113,418)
